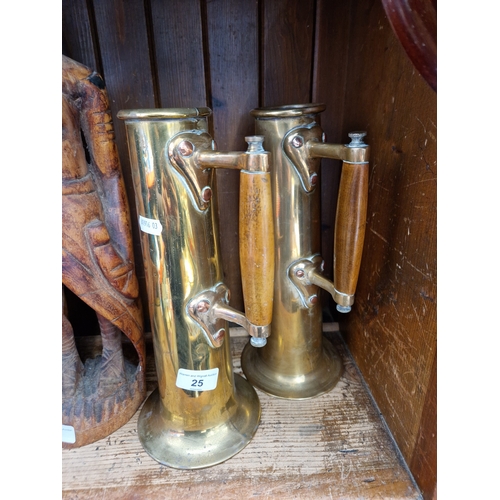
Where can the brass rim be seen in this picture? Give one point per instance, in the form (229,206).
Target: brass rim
(162,114)
(288,110)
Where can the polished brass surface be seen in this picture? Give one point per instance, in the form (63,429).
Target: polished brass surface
(179,426)
(297,363)
(306,275)
(319,376)
(355,152)
(288,111)
(163,114)
(191,449)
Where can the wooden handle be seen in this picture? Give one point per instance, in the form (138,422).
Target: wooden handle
(350,226)
(256,243)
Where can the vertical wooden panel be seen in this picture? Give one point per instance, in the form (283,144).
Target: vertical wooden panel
(78,42)
(287,51)
(391,330)
(123,39)
(178,51)
(233,49)
(423,464)
(329,80)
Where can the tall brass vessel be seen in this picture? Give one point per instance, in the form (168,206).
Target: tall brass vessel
(201,413)
(297,362)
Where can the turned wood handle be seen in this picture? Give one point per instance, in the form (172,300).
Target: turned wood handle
(350,226)
(256,242)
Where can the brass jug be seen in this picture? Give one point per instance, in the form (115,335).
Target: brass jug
(298,362)
(201,413)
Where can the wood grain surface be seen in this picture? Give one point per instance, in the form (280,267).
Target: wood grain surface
(392,329)
(287,28)
(350,226)
(334,446)
(257,246)
(176,40)
(232,52)
(79,34)
(329,82)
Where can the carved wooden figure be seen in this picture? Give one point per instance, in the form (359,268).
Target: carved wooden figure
(98,395)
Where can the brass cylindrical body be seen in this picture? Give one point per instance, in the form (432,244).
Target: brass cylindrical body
(297,362)
(201,413)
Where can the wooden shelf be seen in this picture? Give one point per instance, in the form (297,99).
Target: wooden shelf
(333,446)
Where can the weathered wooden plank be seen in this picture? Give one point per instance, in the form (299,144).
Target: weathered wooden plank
(392,330)
(78,42)
(329,81)
(127,72)
(287,51)
(233,48)
(333,446)
(178,53)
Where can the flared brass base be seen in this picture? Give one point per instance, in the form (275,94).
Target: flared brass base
(199,449)
(321,379)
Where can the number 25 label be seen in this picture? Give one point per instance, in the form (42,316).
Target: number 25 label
(197,380)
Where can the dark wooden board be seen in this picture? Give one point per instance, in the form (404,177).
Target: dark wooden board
(329,82)
(177,45)
(78,32)
(233,62)
(287,51)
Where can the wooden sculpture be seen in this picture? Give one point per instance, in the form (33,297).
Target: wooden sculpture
(98,395)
